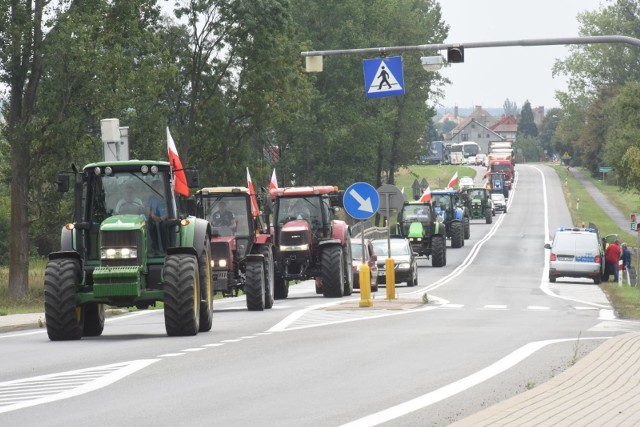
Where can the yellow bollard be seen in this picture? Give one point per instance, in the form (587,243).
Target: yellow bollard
(365,286)
(389,266)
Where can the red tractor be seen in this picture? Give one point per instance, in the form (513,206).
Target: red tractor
(241,247)
(309,242)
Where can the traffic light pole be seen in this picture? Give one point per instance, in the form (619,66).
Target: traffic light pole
(473,45)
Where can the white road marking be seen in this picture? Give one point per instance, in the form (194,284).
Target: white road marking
(495,307)
(171,355)
(458,386)
(538,307)
(218,344)
(24,393)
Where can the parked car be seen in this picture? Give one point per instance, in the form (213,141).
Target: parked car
(576,252)
(481,159)
(499,202)
(370,259)
(405,264)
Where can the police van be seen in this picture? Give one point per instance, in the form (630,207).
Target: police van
(576,252)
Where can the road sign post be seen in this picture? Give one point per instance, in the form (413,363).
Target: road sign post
(361,201)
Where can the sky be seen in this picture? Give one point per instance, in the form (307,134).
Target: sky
(488,76)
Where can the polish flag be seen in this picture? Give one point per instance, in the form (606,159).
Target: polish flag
(179,178)
(453,181)
(274,181)
(426,196)
(252,193)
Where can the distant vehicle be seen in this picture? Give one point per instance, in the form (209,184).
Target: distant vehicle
(370,259)
(576,252)
(466,182)
(499,202)
(481,159)
(405,264)
(461,151)
(438,153)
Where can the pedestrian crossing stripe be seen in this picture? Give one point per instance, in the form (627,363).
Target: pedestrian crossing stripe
(384,80)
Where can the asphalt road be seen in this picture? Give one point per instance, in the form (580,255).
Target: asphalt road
(493,328)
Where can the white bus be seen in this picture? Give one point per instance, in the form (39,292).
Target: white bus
(461,151)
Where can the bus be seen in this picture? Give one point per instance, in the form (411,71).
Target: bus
(461,151)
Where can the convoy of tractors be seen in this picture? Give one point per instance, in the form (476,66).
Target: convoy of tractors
(135,241)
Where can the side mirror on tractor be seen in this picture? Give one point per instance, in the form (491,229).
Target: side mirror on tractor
(62,182)
(193,178)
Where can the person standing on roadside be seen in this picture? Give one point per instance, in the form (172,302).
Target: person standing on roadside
(626,258)
(611,257)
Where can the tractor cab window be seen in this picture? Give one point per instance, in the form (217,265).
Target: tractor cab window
(301,208)
(442,203)
(228,215)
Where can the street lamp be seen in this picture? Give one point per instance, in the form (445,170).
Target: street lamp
(433,63)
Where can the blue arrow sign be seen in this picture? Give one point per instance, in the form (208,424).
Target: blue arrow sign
(383,77)
(361,200)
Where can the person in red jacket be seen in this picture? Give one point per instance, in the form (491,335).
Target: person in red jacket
(611,257)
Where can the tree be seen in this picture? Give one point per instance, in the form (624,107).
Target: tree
(21,68)
(526,125)
(529,148)
(510,108)
(548,129)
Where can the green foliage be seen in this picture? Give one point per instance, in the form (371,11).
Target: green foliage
(548,129)
(510,107)
(530,148)
(527,125)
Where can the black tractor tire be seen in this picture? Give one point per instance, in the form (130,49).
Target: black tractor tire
(269,274)
(254,286)
(457,237)
(488,216)
(438,251)
(280,287)
(467,227)
(332,271)
(348,274)
(63,317)
(181,295)
(206,289)
(93,320)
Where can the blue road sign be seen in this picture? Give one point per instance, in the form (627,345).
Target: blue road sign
(361,200)
(383,77)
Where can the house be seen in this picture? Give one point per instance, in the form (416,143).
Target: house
(506,127)
(476,127)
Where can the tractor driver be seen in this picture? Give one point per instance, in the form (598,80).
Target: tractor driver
(129,204)
(224,218)
(300,210)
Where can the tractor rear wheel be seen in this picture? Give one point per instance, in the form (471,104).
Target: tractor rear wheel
(332,271)
(181,295)
(280,287)
(206,289)
(438,254)
(64,318)
(93,320)
(457,237)
(269,295)
(254,286)
(488,216)
(467,227)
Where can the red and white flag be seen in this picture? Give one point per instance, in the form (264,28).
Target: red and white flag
(453,181)
(426,196)
(252,192)
(274,181)
(179,178)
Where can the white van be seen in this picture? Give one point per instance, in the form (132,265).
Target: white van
(576,252)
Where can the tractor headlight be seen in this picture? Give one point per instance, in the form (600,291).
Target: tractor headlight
(118,253)
(221,263)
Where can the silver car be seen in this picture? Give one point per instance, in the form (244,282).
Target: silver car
(576,252)
(499,202)
(405,263)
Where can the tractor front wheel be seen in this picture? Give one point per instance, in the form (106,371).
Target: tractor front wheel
(64,318)
(457,236)
(332,271)
(269,275)
(206,289)
(488,215)
(254,286)
(181,295)
(467,227)
(93,320)
(438,248)
(280,287)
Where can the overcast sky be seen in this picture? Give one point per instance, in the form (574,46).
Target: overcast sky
(488,76)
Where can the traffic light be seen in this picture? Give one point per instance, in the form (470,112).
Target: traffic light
(455,54)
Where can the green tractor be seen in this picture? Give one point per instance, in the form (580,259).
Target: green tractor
(427,235)
(479,203)
(129,245)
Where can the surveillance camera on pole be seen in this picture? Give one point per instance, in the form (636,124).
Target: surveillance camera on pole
(432,63)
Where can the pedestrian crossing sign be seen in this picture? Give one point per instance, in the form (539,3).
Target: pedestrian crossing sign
(383,77)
